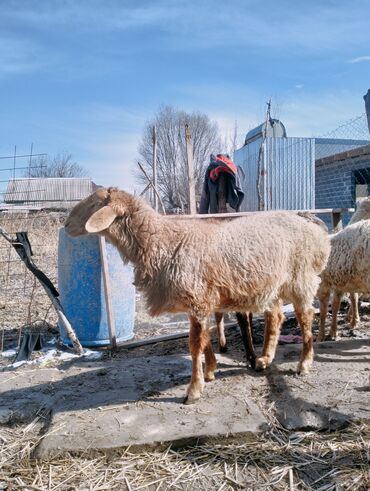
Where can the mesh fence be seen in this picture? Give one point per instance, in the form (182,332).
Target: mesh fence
(349,135)
(23,302)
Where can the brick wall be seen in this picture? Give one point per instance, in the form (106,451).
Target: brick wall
(336,177)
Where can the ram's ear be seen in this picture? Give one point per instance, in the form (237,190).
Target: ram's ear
(100,220)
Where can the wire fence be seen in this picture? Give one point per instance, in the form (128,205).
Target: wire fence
(24,304)
(349,135)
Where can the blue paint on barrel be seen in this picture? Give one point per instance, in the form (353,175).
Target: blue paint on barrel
(81,289)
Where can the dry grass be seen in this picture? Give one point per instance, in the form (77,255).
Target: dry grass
(279,461)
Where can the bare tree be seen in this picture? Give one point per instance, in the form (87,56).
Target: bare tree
(61,165)
(233,140)
(171,151)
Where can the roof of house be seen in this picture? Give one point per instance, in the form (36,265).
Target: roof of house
(48,192)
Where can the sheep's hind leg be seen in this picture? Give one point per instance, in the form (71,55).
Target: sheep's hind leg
(305,322)
(211,364)
(219,316)
(355,316)
(273,322)
(198,340)
(324,300)
(334,310)
(245,320)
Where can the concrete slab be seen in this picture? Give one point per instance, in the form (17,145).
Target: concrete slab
(138,401)
(135,402)
(334,393)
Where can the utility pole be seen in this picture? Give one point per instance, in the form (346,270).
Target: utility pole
(260,169)
(155,198)
(191,180)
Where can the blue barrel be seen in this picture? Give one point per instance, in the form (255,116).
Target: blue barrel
(81,288)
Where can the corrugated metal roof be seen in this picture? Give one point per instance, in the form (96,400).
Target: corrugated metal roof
(51,192)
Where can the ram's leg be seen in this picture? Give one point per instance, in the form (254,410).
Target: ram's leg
(198,340)
(245,323)
(273,321)
(350,309)
(219,316)
(324,300)
(211,364)
(305,317)
(355,317)
(337,297)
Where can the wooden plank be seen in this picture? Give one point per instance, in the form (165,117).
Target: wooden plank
(107,292)
(153,340)
(322,211)
(163,338)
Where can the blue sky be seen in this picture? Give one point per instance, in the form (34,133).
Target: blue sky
(84,76)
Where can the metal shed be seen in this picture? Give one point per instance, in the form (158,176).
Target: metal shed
(47,193)
(287,171)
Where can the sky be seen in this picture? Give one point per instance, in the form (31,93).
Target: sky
(83,77)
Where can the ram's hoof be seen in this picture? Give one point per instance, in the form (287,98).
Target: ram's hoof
(189,400)
(261,364)
(304,367)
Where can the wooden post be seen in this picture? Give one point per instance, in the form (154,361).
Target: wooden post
(107,292)
(191,180)
(222,207)
(155,198)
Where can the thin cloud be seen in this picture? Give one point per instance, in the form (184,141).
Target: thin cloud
(360,59)
(184,28)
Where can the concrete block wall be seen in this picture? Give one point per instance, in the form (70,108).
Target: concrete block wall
(335,178)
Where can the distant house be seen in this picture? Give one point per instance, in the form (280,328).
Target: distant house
(49,193)
(343,178)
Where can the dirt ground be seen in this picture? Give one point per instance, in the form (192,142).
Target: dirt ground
(310,459)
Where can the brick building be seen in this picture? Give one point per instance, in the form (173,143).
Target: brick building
(343,178)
